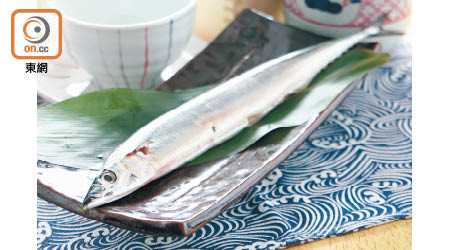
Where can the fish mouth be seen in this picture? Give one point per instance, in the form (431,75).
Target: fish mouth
(90,202)
(101,190)
(93,200)
(87,204)
(94,195)
(101,193)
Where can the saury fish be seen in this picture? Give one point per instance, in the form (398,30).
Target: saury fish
(189,130)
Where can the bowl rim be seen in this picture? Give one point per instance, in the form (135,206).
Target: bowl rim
(175,15)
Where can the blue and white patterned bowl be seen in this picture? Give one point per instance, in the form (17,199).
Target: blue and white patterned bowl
(337,18)
(125,44)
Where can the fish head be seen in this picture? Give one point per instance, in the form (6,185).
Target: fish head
(117,180)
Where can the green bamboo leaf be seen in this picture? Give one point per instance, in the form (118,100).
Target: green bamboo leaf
(301,107)
(81,131)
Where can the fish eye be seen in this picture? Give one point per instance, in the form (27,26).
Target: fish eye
(109,176)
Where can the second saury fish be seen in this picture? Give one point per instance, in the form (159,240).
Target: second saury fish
(184,133)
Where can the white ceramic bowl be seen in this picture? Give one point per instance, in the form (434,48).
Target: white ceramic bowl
(337,18)
(125,44)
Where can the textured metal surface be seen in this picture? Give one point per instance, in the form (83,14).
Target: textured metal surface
(179,203)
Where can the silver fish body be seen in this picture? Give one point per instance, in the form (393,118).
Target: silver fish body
(184,133)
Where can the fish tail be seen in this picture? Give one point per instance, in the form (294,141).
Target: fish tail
(379,20)
(376,26)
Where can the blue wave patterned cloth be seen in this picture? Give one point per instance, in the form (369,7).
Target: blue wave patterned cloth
(353,172)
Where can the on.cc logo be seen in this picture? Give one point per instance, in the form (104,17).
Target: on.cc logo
(36,29)
(36,34)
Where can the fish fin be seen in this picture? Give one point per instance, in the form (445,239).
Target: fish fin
(254,118)
(298,90)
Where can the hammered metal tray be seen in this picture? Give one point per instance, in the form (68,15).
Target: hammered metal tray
(181,202)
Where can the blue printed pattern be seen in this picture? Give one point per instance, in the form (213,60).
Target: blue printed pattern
(353,172)
(328,6)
